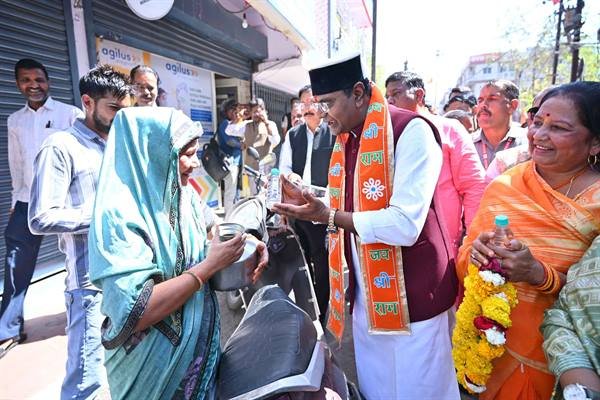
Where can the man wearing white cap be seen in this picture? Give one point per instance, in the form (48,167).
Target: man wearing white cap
(385,225)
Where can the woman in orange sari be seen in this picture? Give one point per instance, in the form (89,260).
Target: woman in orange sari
(553,205)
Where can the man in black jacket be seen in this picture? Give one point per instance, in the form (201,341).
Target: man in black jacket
(305,155)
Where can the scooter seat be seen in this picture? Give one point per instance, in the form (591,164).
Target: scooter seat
(274,341)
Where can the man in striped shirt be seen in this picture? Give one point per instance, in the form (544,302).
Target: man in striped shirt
(62,196)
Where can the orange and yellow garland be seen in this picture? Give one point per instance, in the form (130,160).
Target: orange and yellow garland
(481,319)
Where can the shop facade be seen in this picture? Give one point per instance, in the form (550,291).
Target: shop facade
(192,48)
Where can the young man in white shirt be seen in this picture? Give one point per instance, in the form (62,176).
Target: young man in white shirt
(27,129)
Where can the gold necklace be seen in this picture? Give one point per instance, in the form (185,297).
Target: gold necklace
(570,181)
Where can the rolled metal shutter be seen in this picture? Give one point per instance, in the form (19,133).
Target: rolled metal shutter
(34,29)
(113,20)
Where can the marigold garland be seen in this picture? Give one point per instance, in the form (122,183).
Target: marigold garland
(472,351)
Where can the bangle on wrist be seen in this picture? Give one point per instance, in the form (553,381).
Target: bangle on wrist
(196,277)
(546,276)
(331,228)
(551,282)
(547,282)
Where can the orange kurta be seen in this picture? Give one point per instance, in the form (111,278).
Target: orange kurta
(557,230)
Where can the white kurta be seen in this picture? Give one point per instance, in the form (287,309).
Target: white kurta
(416,366)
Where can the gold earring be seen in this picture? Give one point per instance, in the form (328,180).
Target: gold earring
(595,159)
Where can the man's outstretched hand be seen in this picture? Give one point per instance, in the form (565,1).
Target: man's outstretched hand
(291,189)
(300,204)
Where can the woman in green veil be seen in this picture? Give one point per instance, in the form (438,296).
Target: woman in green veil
(150,254)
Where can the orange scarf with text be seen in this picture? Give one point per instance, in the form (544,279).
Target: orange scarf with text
(380,267)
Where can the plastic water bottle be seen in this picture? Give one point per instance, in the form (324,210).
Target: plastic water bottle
(273,189)
(503,235)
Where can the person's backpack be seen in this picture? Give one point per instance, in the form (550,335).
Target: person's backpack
(214,160)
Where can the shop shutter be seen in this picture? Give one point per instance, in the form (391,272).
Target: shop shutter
(34,29)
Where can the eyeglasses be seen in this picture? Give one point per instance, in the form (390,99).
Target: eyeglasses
(321,107)
(532,111)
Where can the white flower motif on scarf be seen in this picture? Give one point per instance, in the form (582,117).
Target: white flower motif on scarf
(373,189)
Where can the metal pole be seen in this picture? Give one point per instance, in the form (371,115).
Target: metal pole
(374,44)
(329,35)
(557,44)
(576,38)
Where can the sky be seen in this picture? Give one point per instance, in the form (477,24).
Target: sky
(437,37)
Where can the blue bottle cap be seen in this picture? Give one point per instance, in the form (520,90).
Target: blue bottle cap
(274,171)
(501,221)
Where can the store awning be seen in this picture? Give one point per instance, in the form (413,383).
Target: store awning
(287,75)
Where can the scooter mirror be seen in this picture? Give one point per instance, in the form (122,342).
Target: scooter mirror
(253,153)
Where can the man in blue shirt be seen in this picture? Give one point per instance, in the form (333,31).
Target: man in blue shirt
(232,146)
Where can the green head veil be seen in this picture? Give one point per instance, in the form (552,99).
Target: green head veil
(146,227)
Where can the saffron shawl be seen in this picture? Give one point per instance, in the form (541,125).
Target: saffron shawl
(381,264)
(557,230)
(147,228)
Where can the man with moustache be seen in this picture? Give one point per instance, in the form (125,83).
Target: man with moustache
(305,155)
(384,224)
(27,129)
(144,81)
(64,184)
(495,105)
(507,159)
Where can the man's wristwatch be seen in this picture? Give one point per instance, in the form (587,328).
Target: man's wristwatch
(331,228)
(576,391)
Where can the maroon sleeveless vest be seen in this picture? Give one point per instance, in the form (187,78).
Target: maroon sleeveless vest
(429,271)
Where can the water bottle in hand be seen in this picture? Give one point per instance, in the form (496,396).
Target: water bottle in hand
(503,235)
(273,189)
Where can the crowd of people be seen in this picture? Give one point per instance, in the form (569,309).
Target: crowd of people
(410,205)
(546,184)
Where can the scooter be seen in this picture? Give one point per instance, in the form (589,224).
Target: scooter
(278,350)
(287,265)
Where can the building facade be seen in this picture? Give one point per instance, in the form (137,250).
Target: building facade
(204,51)
(483,68)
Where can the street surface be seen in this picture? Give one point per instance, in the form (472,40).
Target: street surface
(34,370)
